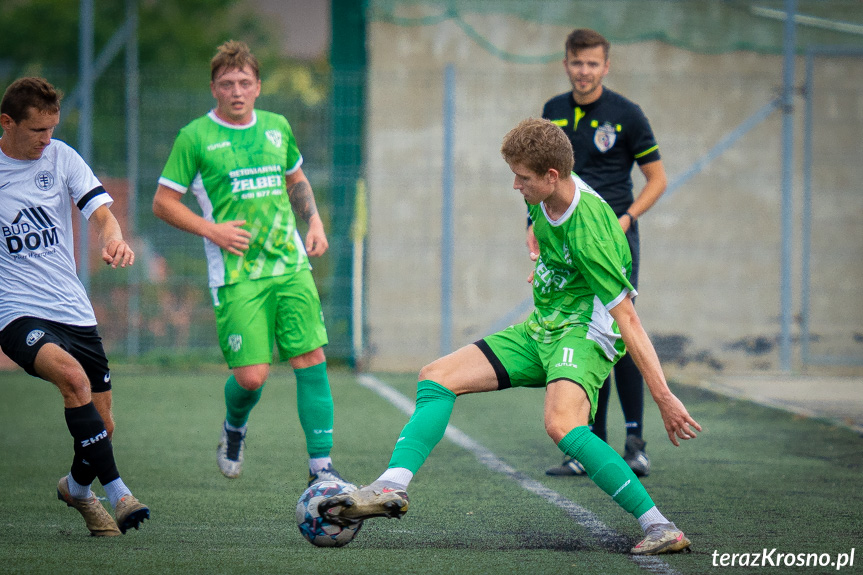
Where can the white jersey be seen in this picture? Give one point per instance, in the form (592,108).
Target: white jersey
(37,259)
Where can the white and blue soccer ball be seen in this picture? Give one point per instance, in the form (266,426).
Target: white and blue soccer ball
(314,528)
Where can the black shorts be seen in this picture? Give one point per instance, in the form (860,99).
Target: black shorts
(634,249)
(22,339)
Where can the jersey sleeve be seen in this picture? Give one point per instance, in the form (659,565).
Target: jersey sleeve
(604,271)
(643,146)
(182,165)
(84,187)
(293,158)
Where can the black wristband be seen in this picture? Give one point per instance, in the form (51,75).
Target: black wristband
(631,217)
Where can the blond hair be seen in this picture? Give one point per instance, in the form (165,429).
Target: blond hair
(539,145)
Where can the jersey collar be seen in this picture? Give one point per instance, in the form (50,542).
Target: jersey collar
(575,197)
(593,104)
(16,161)
(212,115)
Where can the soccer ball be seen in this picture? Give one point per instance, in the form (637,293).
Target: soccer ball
(313,527)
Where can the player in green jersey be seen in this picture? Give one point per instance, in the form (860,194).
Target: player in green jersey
(609,134)
(583,317)
(244,167)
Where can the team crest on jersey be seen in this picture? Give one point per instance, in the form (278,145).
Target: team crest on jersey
(235,342)
(275,137)
(604,137)
(34,336)
(44,180)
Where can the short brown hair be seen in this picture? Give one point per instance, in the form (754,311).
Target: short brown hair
(539,145)
(31,92)
(234,55)
(586,38)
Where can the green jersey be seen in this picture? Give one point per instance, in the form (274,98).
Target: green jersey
(582,272)
(238,173)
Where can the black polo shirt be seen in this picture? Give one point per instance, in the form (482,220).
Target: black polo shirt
(607,136)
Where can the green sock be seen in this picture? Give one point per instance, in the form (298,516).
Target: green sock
(239,402)
(426,426)
(315,406)
(607,469)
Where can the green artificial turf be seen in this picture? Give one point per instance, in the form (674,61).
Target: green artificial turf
(755,479)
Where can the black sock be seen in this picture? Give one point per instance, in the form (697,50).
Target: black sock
(599,428)
(630,390)
(94,456)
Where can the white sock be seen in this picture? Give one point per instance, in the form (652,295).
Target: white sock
(650,518)
(115,491)
(77,490)
(242,429)
(397,477)
(318,463)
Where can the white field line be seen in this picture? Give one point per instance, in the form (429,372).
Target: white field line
(605,536)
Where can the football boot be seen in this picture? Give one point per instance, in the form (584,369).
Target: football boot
(130,512)
(370,501)
(662,538)
(328,473)
(569,467)
(230,452)
(635,457)
(98,520)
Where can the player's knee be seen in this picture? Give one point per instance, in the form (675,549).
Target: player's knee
(252,377)
(554,432)
(70,379)
(433,372)
(450,375)
(308,359)
(109,425)
(80,391)
(251,382)
(557,427)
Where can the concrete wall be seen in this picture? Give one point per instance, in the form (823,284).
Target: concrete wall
(710,252)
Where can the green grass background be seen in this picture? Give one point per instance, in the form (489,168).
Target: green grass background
(755,478)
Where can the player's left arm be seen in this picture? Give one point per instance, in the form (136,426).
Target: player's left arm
(654,186)
(303,202)
(115,250)
(532,249)
(678,422)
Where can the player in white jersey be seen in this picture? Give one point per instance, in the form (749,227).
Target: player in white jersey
(244,167)
(47,324)
(583,309)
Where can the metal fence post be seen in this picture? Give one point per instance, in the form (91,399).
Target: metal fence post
(787,180)
(447,228)
(85,125)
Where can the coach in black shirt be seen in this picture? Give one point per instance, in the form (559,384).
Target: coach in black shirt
(609,134)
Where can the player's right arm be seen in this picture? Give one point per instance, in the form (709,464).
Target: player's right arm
(532,248)
(230,236)
(678,422)
(115,250)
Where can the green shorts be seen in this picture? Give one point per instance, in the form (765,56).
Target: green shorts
(521,361)
(253,316)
